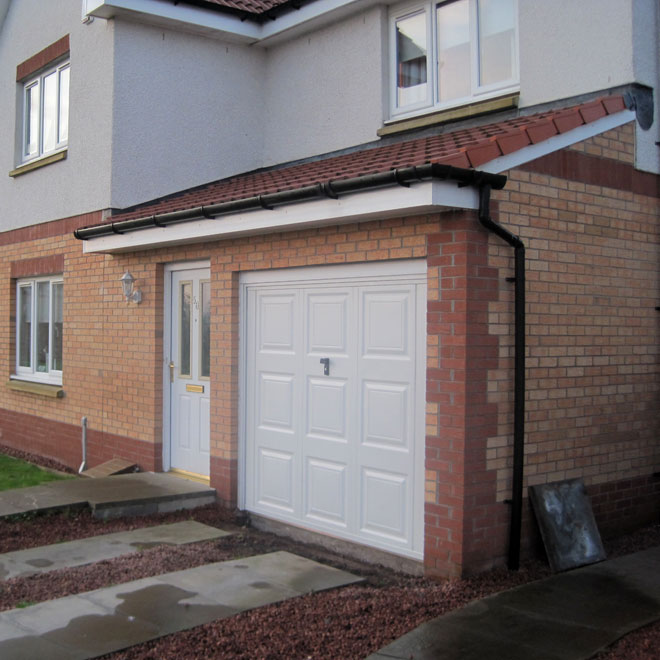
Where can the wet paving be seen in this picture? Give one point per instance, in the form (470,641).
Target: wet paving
(105,620)
(22,563)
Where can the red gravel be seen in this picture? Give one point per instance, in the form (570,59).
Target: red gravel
(346,623)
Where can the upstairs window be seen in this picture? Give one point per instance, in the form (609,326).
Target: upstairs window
(46,112)
(39,329)
(449,53)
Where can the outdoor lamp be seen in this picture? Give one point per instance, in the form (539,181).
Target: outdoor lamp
(130,293)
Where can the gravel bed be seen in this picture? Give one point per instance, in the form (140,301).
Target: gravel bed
(346,623)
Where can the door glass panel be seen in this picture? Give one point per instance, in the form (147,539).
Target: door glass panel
(205,353)
(185,305)
(411,59)
(56,327)
(496,41)
(43,326)
(453,50)
(50,112)
(25,326)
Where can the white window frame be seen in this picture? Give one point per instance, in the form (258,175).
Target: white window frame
(50,375)
(431,103)
(61,121)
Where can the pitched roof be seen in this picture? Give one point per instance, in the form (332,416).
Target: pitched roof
(463,148)
(248,6)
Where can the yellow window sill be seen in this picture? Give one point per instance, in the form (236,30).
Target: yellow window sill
(507,102)
(43,389)
(40,162)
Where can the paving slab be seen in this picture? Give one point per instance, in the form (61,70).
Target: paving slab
(106,620)
(570,616)
(22,563)
(124,494)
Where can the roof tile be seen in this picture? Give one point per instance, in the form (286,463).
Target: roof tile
(464,148)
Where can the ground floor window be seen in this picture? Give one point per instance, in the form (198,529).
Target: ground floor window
(39,329)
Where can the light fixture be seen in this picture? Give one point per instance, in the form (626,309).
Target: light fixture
(130,292)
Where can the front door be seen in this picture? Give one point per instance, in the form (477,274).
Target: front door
(188,369)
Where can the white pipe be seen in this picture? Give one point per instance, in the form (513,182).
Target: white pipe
(83,465)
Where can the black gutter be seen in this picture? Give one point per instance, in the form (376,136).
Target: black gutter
(519,372)
(403,176)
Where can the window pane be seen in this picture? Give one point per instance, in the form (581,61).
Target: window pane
(56,327)
(24,326)
(32,120)
(205,370)
(411,59)
(453,50)
(50,112)
(64,106)
(43,326)
(185,302)
(496,41)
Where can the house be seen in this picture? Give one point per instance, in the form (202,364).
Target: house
(386,265)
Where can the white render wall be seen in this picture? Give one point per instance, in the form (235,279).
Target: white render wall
(155,111)
(187,110)
(326,90)
(569,48)
(81,183)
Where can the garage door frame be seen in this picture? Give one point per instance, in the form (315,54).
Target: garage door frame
(404,271)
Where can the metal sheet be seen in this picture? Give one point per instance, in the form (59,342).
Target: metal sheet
(566,520)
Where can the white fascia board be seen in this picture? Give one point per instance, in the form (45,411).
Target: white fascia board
(218,24)
(534,151)
(182,17)
(426,197)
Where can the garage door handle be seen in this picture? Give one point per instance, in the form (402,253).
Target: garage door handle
(326,366)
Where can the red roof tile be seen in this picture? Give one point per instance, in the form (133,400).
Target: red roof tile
(249,6)
(464,148)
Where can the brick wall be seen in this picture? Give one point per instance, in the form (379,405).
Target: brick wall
(592,346)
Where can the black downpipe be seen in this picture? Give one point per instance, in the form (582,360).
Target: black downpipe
(519,373)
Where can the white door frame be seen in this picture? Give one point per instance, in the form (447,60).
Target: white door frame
(390,271)
(167,341)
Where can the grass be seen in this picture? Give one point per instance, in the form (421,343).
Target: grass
(15,473)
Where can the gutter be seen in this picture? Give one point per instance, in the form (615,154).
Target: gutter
(403,176)
(519,372)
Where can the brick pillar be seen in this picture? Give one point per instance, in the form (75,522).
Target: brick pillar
(460,493)
(224,367)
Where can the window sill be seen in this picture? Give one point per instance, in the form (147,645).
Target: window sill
(39,162)
(507,102)
(43,389)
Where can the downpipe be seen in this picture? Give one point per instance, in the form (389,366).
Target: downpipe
(83,465)
(513,561)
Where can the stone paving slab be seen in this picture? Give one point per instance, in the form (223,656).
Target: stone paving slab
(122,494)
(105,620)
(106,546)
(570,616)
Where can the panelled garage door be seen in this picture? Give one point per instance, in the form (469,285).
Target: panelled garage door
(333,378)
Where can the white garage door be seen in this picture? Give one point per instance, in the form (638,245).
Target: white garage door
(334,373)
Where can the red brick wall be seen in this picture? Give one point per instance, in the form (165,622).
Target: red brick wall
(592,336)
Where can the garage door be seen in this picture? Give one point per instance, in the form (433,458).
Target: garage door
(333,376)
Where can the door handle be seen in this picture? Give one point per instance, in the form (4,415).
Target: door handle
(171,365)
(326,366)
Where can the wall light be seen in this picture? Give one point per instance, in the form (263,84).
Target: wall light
(131,293)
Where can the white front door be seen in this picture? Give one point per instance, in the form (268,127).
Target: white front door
(334,403)
(188,369)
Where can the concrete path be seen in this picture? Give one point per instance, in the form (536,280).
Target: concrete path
(141,493)
(569,616)
(97,622)
(107,546)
